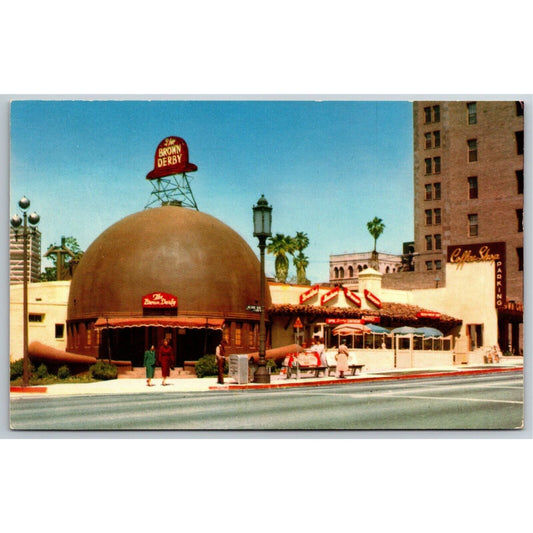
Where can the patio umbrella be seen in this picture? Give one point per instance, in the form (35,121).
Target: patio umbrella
(429,332)
(377,329)
(404,330)
(351,329)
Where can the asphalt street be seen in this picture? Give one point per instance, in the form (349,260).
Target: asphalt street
(460,402)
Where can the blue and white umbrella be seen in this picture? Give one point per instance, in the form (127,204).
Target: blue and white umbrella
(377,329)
(429,332)
(404,330)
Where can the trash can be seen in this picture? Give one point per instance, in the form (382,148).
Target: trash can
(238,367)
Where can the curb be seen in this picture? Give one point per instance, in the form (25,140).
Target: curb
(349,380)
(28,389)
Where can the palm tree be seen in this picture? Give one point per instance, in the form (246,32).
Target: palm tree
(301,262)
(375,228)
(280,245)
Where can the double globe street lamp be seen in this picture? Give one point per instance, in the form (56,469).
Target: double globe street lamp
(262,230)
(16,221)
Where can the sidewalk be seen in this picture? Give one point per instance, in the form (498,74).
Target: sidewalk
(133,386)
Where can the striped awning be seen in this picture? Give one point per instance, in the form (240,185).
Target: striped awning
(163,322)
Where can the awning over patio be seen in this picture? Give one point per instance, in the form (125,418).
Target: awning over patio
(163,322)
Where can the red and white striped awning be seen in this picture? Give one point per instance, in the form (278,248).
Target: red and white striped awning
(163,322)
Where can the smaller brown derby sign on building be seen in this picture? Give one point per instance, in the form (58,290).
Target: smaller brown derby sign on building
(460,254)
(159,300)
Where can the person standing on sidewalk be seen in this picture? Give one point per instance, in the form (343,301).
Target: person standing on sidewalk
(220,355)
(342,360)
(166,360)
(149,363)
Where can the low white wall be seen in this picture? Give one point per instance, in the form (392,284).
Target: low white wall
(432,359)
(372,359)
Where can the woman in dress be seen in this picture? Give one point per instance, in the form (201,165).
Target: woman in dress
(166,359)
(342,360)
(149,364)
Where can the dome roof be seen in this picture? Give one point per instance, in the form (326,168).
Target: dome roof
(211,270)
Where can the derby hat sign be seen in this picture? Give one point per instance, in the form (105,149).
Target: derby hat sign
(171,157)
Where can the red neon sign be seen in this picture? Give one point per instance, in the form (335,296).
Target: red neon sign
(352,297)
(160,300)
(373,299)
(307,295)
(329,295)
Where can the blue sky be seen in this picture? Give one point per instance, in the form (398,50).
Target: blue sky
(326,167)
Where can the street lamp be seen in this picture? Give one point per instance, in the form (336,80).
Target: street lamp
(262,230)
(16,221)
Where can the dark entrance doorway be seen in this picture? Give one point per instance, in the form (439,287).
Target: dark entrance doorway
(129,344)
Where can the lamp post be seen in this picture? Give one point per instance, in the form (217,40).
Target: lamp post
(262,230)
(16,221)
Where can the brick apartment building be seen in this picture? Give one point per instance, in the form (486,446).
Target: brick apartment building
(469,190)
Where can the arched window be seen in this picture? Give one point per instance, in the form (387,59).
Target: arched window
(365,267)
(341,273)
(359,268)
(387,270)
(350,271)
(335,272)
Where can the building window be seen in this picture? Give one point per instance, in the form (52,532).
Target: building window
(438,264)
(472,112)
(429,188)
(350,271)
(437,217)
(428,165)
(436,191)
(520,219)
(472,150)
(60,331)
(252,337)
(429,265)
(519,142)
(428,139)
(520,181)
(359,268)
(436,161)
(519,109)
(335,272)
(520,254)
(429,217)
(472,225)
(438,242)
(429,243)
(427,115)
(472,187)
(238,334)
(34,317)
(341,273)
(436,113)
(436,139)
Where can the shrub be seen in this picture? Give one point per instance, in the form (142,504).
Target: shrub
(103,371)
(42,371)
(207,366)
(16,369)
(63,372)
(272,365)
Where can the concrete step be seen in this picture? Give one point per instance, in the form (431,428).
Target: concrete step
(140,372)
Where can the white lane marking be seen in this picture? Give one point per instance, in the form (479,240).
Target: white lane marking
(455,399)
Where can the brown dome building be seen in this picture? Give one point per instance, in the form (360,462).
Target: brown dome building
(168,272)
